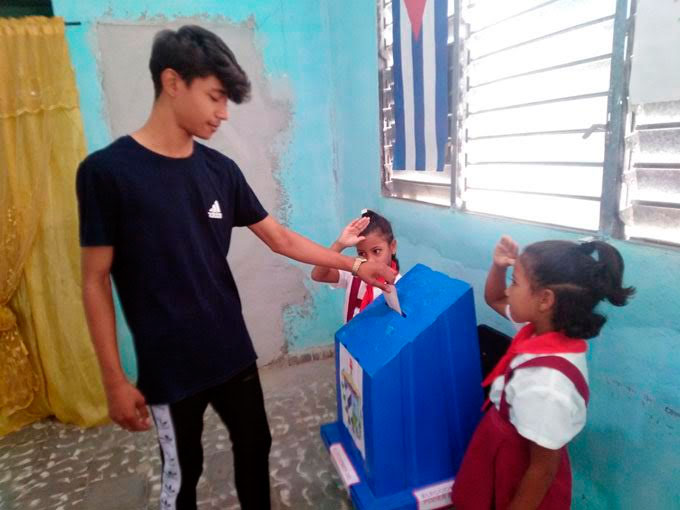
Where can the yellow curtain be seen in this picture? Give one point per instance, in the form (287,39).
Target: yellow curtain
(47,363)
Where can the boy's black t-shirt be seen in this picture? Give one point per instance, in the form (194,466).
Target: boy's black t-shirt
(169,222)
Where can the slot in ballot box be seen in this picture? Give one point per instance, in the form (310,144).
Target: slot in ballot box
(408,394)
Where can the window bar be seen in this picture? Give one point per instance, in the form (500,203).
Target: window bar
(455,131)
(382,71)
(617,104)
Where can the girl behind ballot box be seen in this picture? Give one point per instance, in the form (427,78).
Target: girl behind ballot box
(374,240)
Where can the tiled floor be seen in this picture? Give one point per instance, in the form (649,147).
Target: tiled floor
(54,466)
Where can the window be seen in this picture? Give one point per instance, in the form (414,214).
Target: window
(537,116)
(429,183)
(651,186)
(650,194)
(537,84)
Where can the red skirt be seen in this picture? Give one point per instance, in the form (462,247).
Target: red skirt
(493,467)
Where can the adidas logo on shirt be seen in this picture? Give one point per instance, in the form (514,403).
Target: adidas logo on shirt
(215,211)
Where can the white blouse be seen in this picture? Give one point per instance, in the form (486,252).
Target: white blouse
(345,282)
(545,406)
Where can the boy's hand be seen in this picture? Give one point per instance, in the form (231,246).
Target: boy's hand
(350,234)
(127,407)
(377,274)
(506,252)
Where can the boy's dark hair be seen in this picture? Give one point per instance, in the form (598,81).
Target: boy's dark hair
(194,52)
(382,225)
(579,280)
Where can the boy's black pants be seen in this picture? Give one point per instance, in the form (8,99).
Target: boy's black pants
(240,405)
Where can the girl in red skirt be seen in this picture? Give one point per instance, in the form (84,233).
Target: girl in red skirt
(517,458)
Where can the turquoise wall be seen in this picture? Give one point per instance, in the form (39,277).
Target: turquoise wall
(627,456)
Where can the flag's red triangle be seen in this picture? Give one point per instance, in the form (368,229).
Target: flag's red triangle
(415,9)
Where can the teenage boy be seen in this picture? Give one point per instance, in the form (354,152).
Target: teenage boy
(156,214)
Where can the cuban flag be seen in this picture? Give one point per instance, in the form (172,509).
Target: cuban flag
(421,84)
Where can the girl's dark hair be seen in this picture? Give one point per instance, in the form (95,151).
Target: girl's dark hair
(194,52)
(580,275)
(382,225)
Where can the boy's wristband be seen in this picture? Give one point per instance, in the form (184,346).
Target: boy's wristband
(357,264)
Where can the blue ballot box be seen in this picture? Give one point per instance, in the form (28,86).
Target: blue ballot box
(408,394)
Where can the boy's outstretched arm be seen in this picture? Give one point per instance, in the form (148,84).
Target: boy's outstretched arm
(504,255)
(285,242)
(127,406)
(328,274)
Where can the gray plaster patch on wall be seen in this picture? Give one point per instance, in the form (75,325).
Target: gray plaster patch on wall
(255,136)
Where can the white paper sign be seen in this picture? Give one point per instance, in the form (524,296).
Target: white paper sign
(434,496)
(344,466)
